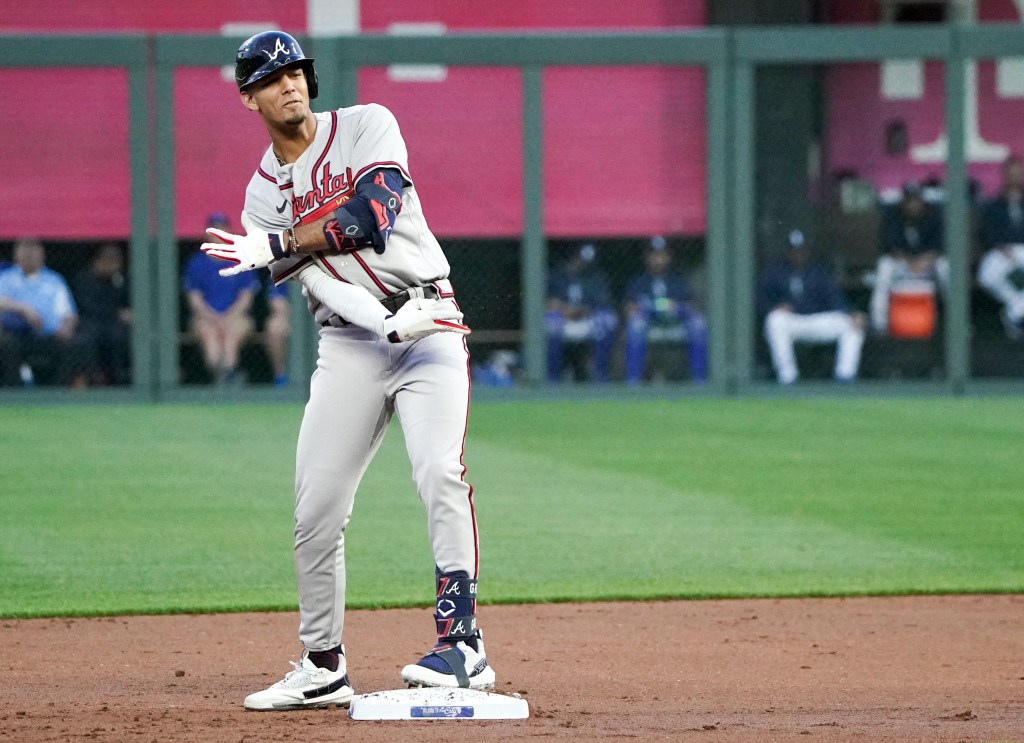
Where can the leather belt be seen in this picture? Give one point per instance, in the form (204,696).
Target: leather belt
(395,301)
(392,303)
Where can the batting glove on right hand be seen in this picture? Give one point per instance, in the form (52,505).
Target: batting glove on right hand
(254,249)
(419,318)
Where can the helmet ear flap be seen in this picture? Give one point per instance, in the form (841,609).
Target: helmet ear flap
(312,83)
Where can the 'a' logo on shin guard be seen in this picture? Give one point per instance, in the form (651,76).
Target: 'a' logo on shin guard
(455,610)
(455,627)
(462,626)
(448,586)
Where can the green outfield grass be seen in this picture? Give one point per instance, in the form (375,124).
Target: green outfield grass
(188,508)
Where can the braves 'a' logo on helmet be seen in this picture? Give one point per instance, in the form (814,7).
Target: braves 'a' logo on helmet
(279,47)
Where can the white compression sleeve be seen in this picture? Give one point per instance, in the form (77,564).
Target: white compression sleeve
(349,301)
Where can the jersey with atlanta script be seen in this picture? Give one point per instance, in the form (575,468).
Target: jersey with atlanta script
(349,143)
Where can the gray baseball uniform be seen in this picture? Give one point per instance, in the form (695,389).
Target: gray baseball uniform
(391,341)
(361,379)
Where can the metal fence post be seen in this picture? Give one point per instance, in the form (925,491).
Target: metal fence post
(719,223)
(744,217)
(533,255)
(957,221)
(141,95)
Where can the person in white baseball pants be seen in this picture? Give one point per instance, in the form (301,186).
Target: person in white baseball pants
(332,205)
(802,303)
(1001,274)
(1001,233)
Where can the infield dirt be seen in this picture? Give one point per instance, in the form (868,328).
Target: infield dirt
(908,669)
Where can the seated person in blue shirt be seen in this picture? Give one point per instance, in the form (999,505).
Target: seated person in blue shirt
(801,301)
(38,320)
(221,308)
(660,311)
(579,312)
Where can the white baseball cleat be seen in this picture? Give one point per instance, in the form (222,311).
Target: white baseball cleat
(459,664)
(305,687)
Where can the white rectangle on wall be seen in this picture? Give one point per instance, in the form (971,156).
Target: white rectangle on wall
(902,79)
(417,73)
(332,17)
(1010,77)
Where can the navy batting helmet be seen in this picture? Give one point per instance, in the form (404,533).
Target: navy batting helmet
(268,52)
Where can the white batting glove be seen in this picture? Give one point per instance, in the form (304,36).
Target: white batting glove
(419,318)
(254,249)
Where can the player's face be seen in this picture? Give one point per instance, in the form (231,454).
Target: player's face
(282,98)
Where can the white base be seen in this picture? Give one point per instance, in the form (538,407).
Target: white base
(433,703)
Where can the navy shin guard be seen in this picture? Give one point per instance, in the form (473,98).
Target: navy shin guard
(455,611)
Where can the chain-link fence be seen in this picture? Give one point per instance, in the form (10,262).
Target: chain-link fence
(629,309)
(66,314)
(231,331)
(641,213)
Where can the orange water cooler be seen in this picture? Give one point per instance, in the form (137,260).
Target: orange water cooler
(912,310)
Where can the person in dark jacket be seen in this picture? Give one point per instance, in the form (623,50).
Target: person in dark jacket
(801,301)
(579,313)
(914,225)
(912,259)
(1001,227)
(105,314)
(661,312)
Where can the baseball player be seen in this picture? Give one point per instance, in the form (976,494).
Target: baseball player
(660,311)
(801,301)
(332,205)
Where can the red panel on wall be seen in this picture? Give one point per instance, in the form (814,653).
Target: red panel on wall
(65,150)
(75,158)
(624,151)
(534,14)
(95,16)
(624,148)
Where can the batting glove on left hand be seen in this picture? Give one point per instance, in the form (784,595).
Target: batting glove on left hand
(254,249)
(419,318)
